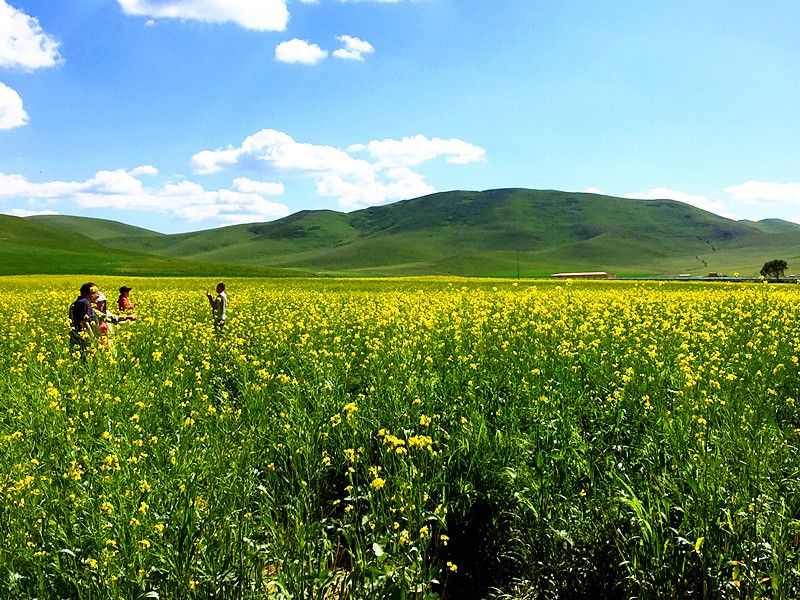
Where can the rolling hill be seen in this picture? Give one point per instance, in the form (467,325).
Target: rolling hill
(495,232)
(58,247)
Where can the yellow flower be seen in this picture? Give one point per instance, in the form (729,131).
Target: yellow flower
(377,483)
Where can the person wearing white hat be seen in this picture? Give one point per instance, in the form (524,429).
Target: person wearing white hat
(105,320)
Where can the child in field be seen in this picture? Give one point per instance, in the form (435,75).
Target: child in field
(124,302)
(104,323)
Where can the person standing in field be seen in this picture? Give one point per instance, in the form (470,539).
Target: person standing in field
(81,316)
(124,301)
(219,305)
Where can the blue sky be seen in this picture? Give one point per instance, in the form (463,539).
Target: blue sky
(180,115)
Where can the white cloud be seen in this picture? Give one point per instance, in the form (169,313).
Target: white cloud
(144,170)
(209,161)
(417,149)
(12,113)
(119,182)
(265,188)
(354,48)
(260,15)
(120,189)
(299,51)
(766,192)
(21,212)
(702,202)
(594,190)
(23,43)
(399,184)
(16,186)
(355,182)
(269,148)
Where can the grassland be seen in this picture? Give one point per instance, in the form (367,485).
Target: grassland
(492,233)
(409,438)
(27,247)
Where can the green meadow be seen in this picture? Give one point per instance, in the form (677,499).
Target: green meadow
(502,233)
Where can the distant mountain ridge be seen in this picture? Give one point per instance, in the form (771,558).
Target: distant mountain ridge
(498,232)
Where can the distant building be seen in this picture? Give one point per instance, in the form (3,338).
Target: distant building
(584,275)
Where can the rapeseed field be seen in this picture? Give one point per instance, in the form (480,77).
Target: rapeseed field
(403,439)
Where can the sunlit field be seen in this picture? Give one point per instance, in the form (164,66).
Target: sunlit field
(403,439)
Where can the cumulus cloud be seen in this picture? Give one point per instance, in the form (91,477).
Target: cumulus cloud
(16,186)
(144,170)
(761,192)
(269,148)
(265,188)
(121,189)
(299,51)
(21,212)
(23,43)
(356,182)
(354,48)
(260,15)
(417,149)
(396,184)
(12,113)
(702,202)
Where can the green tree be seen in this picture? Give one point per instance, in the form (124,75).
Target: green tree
(775,268)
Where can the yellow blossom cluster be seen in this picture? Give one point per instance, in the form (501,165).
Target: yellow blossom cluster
(335,421)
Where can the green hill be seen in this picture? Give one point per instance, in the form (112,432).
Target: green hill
(494,232)
(56,245)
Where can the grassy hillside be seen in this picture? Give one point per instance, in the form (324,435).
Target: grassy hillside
(496,232)
(64,245)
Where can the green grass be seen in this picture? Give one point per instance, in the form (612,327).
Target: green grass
(471,234)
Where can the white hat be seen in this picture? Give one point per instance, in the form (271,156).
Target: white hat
(101,297)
